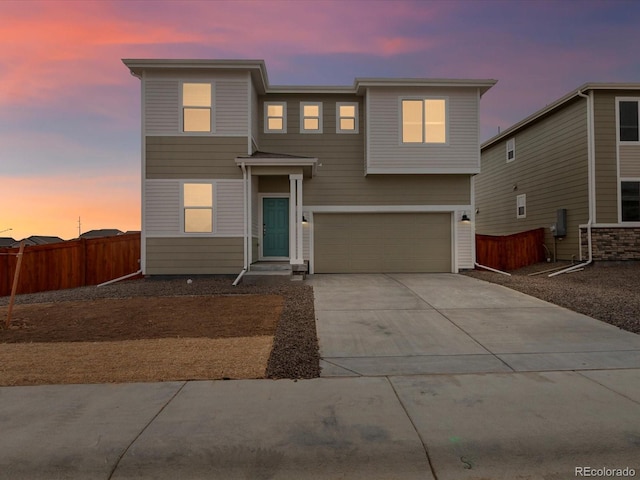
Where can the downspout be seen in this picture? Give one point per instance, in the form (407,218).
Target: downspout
(591,186)
(246,230)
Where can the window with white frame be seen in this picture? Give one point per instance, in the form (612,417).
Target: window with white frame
(347,117)
(630,201)
(198,207)
(275,117)
(628,121)
(196,107)
(424,120)
(511,150)
(310,117)
(521,206)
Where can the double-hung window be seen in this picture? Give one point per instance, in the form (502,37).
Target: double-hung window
(347,117)
(521,206)
(198,207)
(424,120)
(628,121)
(196,107)
(275,117)
(511,150)
(310,117)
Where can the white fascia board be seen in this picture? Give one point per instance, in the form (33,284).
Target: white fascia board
(482,84)
(279,162)
(612,225)
(384,208)
(423,171)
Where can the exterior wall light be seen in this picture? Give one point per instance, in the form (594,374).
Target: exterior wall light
(465,218)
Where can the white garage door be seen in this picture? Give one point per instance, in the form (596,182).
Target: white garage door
(382,242)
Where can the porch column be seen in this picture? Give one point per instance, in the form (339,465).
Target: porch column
(295,219)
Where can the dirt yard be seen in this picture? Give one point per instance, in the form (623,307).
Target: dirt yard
(169,330)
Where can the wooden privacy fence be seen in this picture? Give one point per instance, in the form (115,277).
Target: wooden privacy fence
(509,252)
(70,264)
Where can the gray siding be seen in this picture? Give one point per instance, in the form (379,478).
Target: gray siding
(194,157)
(629,161)
(550,168)
(194,256)
(386,150)
(341,179)
(162,107)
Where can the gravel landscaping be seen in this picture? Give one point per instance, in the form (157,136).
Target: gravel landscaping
(295,346)
(607,291)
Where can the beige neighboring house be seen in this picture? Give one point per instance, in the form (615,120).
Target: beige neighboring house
(371,177)
(578,159)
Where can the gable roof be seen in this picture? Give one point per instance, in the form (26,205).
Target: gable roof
(39,240)
(6,241)
(557,105)
(104,232)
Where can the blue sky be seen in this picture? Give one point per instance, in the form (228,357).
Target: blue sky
(70,111)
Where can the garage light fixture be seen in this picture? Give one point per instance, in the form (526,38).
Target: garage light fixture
(465,218)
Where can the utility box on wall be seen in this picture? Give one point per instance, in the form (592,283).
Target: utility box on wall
(561,223)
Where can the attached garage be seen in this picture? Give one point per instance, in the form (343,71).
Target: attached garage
(382,242)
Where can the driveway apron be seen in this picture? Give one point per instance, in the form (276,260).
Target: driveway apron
(408,324)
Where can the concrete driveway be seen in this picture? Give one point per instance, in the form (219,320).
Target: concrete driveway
(412,324)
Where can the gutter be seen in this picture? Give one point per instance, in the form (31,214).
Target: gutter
(246,230)
(591,183)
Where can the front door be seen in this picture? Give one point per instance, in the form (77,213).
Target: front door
(275,228)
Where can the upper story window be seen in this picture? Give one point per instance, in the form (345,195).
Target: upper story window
(198,207)
(628,121)
(424,120)
(196,107)
(310,117)
(275,117)
(347,117)
(511,150)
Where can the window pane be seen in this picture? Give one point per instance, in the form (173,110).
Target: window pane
(435,121)
(630,201)
(197,120)
(411,121)
(347,124)
(275,110)
(196,94)
(311,124)
(347,111)
(198,195)
(274,124)
(198,220)
(629,121)
(311,111)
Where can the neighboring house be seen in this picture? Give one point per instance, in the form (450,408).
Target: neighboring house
(373,177)
(105,232)
(580,155)
(37,240)
(6,242)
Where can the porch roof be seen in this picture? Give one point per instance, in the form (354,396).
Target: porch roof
(268,159)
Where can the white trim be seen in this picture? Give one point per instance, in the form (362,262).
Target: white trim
(422,171)
(384,208)
(612,225)
(265,116)
(181,107)
(262,196)
(356,128)
(620,180)
(249,217)
(473,220)
(454,242)
(311,241)
(367,139)
(511,141)
(250,131)
(303,117)
(521,201)
(423,143)
(143,175)
(626,99)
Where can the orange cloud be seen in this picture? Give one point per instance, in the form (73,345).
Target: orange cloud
(52,205)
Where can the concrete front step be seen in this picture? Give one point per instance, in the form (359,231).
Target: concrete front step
(284,267)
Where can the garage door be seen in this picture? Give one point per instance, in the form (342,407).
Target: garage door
(382,242)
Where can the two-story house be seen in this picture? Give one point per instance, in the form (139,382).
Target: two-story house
(373,177)
(573,168)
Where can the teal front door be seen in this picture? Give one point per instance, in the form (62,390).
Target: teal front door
(275,228)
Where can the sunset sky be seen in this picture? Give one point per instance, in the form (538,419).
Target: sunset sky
(70,110)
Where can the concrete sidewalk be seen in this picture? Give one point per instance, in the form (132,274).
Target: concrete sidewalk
(497,422)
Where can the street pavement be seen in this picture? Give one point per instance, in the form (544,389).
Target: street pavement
(424,377)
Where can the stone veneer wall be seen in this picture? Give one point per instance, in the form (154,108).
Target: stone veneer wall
(611,243)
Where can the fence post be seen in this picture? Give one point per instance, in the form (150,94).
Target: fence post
(16,277)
